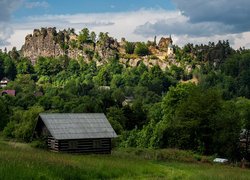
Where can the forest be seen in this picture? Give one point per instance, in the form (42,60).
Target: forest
(149,107)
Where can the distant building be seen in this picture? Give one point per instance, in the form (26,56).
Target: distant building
(75,133)
(166,44)
(128,101)
(170,50)
(4,82)
(8,92)
(104,87)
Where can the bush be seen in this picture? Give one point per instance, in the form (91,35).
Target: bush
(164,155)
(9,129)
(3,115)
(129,47)
(153,57)
(129,56)
(39,144)
(141,49)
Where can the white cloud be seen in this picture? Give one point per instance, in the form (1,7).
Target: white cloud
(5,33)
(121,24)
(202,21)
(6,8)
(125,24)
(203,18)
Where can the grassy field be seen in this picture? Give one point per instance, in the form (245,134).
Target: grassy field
(21,161)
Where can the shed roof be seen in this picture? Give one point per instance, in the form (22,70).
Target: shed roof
(78,125)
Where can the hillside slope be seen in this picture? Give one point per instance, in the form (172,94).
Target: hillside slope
(37,164)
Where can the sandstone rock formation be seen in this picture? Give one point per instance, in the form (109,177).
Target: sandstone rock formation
(41,43)
(48,42)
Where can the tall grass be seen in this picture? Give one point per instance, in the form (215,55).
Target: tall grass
(163,155)
(20,161)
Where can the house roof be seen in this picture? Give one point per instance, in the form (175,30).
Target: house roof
(78,125)
(5,79)
(9,92)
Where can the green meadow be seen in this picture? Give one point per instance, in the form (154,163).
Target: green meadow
(21,161)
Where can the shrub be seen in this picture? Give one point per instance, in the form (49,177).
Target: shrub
(153,57)
(129,47)
(141,49)
(39,144)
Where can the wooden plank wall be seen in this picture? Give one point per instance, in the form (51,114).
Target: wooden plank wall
(53,144)
(81,145)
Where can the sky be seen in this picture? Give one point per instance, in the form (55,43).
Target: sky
(187,21)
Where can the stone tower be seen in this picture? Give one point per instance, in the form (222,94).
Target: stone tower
(164,43)
(170,47)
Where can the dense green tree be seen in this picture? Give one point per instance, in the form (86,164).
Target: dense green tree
(161,112)
(45,102)
(103,37)
(174,96)
(88,104)
(3,115)
(9,68)
(22,123)
(93,36)
(23,84)
(227,132)
(194,120)
(83,37)
(25,67)
(117,81)
(1,68)
(48,66)
(237,67)
(117,119)
(118,96)
(25,100)
(243,105)
(177,72)
(103,77)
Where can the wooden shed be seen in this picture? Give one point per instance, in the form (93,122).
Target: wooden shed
(76,133)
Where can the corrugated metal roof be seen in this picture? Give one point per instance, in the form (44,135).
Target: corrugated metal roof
(78,126)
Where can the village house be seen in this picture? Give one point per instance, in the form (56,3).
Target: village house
(4,82)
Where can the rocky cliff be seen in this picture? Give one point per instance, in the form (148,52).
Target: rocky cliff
(47,42)
(41,43)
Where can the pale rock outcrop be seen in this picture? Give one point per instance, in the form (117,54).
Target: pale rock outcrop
(47,42)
